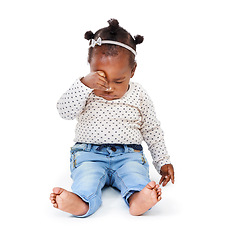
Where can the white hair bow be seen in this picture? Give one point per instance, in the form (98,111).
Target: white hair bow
(96,42)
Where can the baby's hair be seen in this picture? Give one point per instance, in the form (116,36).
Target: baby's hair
(115,33)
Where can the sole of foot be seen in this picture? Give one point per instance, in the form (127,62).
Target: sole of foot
(68,202)
(142,201)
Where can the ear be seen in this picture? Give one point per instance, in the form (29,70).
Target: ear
(133,70)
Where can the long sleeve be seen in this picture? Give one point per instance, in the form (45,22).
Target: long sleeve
(73,100)
(153,134)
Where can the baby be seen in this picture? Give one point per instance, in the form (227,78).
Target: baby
(114,116)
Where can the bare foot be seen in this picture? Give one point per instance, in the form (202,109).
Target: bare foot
(68,202)
(142,201)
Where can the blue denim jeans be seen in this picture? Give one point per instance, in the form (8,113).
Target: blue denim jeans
(94,166)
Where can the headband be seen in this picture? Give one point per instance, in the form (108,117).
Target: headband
(99,42)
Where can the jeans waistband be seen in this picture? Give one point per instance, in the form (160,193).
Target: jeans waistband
(134,146)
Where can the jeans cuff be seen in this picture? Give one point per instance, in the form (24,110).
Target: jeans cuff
(128,193)
(94,203)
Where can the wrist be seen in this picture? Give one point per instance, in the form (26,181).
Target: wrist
(82,80)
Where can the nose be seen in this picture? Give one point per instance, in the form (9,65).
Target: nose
(109,89)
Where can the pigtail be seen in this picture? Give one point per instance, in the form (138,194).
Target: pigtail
(113,26)
(89,35)
(138,39)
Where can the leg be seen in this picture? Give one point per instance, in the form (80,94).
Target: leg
(132,179)
(88,180)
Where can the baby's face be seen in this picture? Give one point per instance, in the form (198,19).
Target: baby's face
(117,72)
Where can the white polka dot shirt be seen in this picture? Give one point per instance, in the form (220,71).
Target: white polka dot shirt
(128,120)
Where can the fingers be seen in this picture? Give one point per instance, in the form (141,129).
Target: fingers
(101,73)
(172,178)
(161,180)
(164,180)
(167,173)
(96,80)
(171,174)
(102,82)
(167,179)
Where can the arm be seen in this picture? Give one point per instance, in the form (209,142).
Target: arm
(154,137)
(73,101)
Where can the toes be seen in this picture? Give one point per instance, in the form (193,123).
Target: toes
(151,185)
(55,205)
(58,190)
(156,187)
(52,196)
(158,190)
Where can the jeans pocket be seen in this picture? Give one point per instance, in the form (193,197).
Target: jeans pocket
(143,158)
(74,152)
(73,161)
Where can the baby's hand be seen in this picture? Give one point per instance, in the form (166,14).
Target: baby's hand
(95,80)
(167,173)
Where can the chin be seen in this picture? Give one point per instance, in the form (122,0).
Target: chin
(107,96)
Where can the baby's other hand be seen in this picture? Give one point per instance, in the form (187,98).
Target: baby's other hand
(95,80)
(167,173)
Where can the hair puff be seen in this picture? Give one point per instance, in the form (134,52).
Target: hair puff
(89,35)
(113,25)
(138,39)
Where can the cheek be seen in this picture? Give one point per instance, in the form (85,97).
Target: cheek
(126,86)
(121,90)
(98,92)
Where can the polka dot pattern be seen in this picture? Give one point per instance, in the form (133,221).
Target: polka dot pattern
(128,120)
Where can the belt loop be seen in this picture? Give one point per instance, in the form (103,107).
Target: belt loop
(126,148)
(88,147)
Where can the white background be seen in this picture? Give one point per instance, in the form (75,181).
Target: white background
(183,65)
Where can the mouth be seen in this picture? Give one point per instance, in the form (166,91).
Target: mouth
(108,96)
